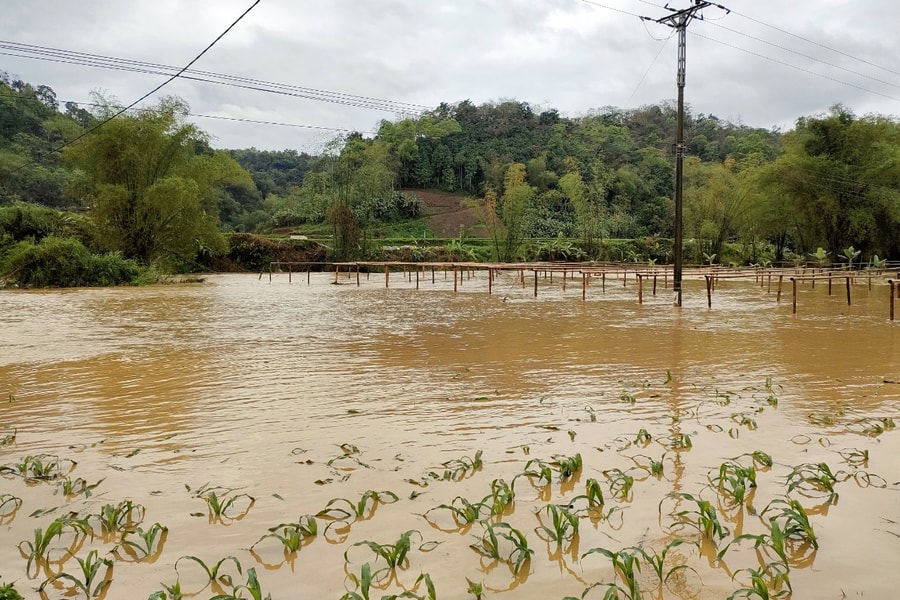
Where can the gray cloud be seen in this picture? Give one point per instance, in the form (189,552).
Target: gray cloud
(569,54)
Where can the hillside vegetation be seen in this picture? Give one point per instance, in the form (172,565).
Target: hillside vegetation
(495,181)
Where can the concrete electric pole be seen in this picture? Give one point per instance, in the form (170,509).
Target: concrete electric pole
(679,20)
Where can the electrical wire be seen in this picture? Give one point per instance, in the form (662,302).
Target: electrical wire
(815,43)
(802,69)
(162,85)
(121,64)
(807,56)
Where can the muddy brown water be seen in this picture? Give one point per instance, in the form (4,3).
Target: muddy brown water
(253,386)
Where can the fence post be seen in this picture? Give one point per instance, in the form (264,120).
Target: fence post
(891,283)
(794,301)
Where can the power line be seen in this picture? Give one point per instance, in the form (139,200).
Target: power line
(802,69)
(815,43)
(807,56)
(163,84)
(120,64)
(235,119)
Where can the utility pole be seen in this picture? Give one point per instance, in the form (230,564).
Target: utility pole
(679,20)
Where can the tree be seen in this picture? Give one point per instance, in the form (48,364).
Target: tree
(153,198)
(841,175)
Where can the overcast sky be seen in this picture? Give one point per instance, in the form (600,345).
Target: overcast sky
(765,64)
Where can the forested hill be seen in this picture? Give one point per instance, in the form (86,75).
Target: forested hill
(832,183)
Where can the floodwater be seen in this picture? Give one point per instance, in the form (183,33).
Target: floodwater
(297,394)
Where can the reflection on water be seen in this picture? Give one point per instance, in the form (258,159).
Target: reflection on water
(254,385)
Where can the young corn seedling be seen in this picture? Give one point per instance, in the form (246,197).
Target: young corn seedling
(8,436)
(500,537)
(464,512)
(394,555)
(681,441)
(536,471)
(38,550)
(77,487)
(169,592)
(796,522)
(763,586)
(593,494)
(114,518)
(567,466)
(460,468)
(145,545)
(251,586)
(734,482)
(9,506)
(365,580)
(348,460)
(626,566)
(813,480)
(854,457)
(657,561)
(293,536)
(562,526)
(213,572)
(703,517)
(90,583)
(643,437)
(501,498)
(620,484)
(654,467)
(476,589)
(39,467)
(219,506)
(342,509)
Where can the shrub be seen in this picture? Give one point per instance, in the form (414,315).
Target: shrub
(58,262)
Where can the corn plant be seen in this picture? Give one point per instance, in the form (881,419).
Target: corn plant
(562,524)
(39,467)
(251,586)
(464,512)
(394,555)
(703,517)
(796,522)
(536,469)
(8,592)
(499,537)
(350,453)
(654,467)
(855,457)
(145,545)
(8,438)
(759,588)
(657,561)
(593,494)
(626,566)
(501,498)
(90,583)
(169,592)
(293,536)
(643,437)
(620,484)
(114,518)
(9,506)
(77,487)
(38,549)
(813,480)
(734,481)
(342,509)
(681,441)
(364,582)
(567,466)
(459,468)
(219,506)
(213,571)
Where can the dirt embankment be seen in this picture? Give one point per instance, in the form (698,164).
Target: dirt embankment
(446,213)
